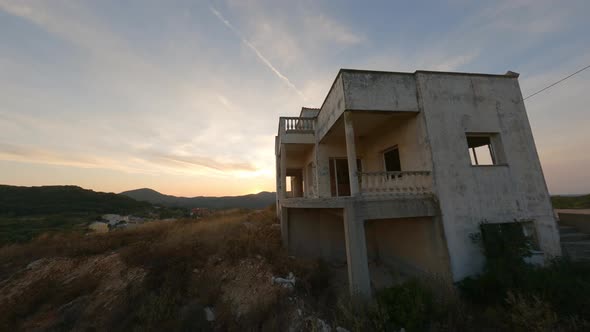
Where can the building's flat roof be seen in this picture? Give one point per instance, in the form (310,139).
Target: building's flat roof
(509,74)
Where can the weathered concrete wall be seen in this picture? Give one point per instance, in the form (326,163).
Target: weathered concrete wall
(379,91)
(410,137)
(409,245)
(308,180)
(308,112)
(317,233)
(324,153)
(454,105)
(331,109)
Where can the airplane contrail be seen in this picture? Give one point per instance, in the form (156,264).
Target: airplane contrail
(258,54)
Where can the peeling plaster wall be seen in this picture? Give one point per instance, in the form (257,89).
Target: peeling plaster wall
(453,105)
(331,109)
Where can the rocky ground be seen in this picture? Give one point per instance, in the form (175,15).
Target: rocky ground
(222,273)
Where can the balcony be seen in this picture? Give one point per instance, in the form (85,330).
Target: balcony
(402,183)
(294,130)
(298,125)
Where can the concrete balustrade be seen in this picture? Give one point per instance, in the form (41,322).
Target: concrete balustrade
(409,182)
(297,124)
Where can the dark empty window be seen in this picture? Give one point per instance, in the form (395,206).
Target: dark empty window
(392,162)
(339,178)
(481,150)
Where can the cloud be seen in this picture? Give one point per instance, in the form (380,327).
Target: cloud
(451,63)
(14,152)
(91,88)
(260,56)
(328,29)
(143,162)
(184,161)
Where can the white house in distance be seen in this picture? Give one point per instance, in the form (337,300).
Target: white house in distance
(402,168)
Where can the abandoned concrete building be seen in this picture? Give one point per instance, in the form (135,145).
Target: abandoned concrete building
(401,169)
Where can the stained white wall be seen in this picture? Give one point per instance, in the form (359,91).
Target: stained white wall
(468,195)
(379,91)
(331,109)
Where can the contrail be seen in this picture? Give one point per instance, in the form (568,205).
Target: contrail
(257,52)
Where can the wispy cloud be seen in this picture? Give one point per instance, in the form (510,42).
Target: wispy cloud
(110,88)
(183,161)
(329,29)
(260,56)
(140,162)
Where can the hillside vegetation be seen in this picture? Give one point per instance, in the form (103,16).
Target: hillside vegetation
(26,212)
(159,276)
(253,201)
(571,202)
(216,274)
(26,201)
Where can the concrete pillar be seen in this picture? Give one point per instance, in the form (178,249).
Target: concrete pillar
(356,254)
(314,179)
(351,154)
(322,171)
(285,227)
(278,184)
(297,185)
(283,170)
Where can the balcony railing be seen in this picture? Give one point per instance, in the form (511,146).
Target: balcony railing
(411,182)
(298,125)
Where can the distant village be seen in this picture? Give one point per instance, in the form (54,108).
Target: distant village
(111,221)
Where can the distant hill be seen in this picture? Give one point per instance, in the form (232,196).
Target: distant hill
(27,201)
(26,212)
(571,202)
(253,201)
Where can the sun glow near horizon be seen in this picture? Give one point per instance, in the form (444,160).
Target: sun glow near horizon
(95,94)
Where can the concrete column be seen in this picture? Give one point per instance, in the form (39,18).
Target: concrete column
(278,185)
(314,170)
(356,254)
(285,227)
(283,170)
(351,154)
(322,171)
(297,185)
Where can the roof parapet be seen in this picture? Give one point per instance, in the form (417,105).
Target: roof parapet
(511,73)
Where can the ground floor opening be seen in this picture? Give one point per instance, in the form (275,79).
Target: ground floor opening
(396,248)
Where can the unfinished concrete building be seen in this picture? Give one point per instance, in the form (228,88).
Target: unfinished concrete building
(400,169)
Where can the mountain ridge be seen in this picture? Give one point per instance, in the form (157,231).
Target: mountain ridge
(55,199)
(251,201)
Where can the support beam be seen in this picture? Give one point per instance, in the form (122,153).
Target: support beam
(356,254)
(351,154)
(283,169)
(322,171)
(285,227)
(277,179)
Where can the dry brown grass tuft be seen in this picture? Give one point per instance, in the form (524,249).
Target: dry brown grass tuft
(225,261)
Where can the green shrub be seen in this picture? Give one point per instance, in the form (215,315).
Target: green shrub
(562,286)
(504,247)
(409,305)
(529,314)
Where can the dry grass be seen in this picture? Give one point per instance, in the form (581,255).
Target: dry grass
(225,261)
